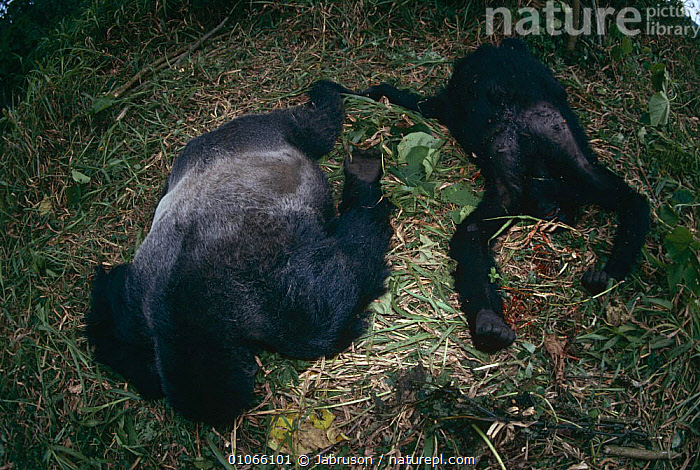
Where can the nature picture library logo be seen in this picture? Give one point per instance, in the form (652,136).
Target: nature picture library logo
(557,18)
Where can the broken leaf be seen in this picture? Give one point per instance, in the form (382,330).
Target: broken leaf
(45,206)
(292,436)
(556,349)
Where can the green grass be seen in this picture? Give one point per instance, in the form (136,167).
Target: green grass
(78,185)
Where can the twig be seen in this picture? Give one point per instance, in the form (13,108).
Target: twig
(613,430)
(571,43)
(163,62)
(199,43)
(641,454)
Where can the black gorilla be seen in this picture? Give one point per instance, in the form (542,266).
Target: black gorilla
(509,110)
(245,252)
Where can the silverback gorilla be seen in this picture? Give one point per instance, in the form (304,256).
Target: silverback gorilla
(507,108)
(245,252)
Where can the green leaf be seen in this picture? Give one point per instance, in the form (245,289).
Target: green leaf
(419,151)
(610,343)
(667,304)
(626,45)
(403,131)
(460,194)
(417,139)
(680,235)
(458,215)
(668,216)
(682,248)
(593,337)
(382,305)
(202,463)
(678,242)
(677,351)
(410,176)
(675,274)
(427,189)
(73,194)
(623,49)
(659,109)
(659,77)
(642,134)
(616,52)
(426,252)
(683,196)
(101,103)
(661,343)
(414,156)
(429,446)
(430,161)
(79,177)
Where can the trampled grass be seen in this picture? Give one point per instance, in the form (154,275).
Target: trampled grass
(82,171)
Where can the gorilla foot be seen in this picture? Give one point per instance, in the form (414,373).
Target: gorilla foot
(365,166)
(490,332)
(595,281)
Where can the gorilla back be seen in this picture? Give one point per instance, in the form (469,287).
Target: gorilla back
(245,252)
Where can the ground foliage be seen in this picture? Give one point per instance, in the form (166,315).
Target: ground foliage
(84,158)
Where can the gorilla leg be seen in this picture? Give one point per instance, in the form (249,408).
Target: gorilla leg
(480,298)
(119,333)
(470,245)
(314,127)
(362,188)
(568,157)
(204,377)
(609,191)
(329,283)
(362,229)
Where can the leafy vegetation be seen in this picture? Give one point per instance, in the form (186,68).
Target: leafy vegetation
(81,173)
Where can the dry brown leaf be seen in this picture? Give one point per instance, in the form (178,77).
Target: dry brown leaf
(556,348)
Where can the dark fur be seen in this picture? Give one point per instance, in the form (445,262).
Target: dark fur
(509,110)
(246,252)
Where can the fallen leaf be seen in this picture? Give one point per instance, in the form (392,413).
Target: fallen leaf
(426,252)
(556,347)
(616,313)
(45,206)
(315,432)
